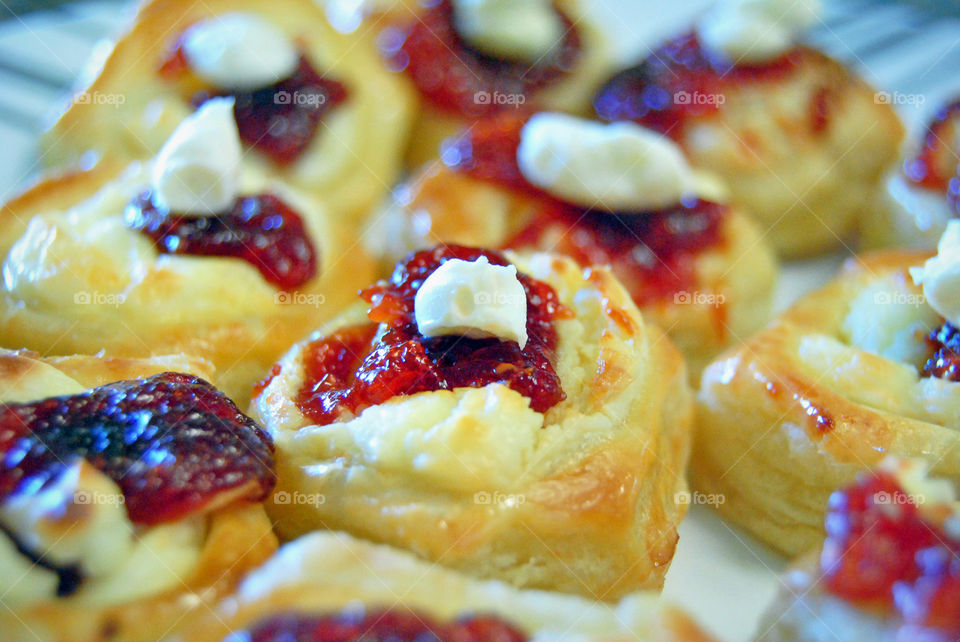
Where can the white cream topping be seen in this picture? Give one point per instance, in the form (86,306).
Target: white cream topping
(239,51)
(756,30)
(198,169)
(617,166)
(940,275)
(474,299)
(513,29)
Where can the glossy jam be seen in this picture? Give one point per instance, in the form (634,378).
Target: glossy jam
(937,161)
(458,78)
(261,230)
(279,120)
(681,80)
(381,626)
(882,553)
(365,365)
(652,253)
(944,362)
(171,442)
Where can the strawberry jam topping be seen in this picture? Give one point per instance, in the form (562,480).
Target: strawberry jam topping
(936,163)
(367,364)
(458,78)
(652,253)
(262,230)
(172,442)
(881,552)
(682,80)
(383,626)
(944,343)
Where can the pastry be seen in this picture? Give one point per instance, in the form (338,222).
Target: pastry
(695,266)
(865,367)
(476,410)
(316,108)
(802,142)
(886,570)
(189,252)
(925,193)
(145,508)
(474,58)
(330,586)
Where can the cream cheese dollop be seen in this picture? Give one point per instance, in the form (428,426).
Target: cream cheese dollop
(473,299)
(756,30)
(239,51)
(940,275)
(618,167)
(514,29)
(198,169)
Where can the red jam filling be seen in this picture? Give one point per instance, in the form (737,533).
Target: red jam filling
(382,626)
(365,365)
(652,253)
(171,442)
(880,552)
(937,162)
(262,230)
(456,77)
(944,343)
(279,120)
(682,80)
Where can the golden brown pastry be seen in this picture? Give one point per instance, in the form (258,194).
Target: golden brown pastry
(477,453)
(802,142)
(860,369)
(335,126)
(332,584)
(146,509)
(97,260)
(698,268)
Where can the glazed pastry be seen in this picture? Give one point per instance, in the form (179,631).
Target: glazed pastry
(477,409)
(477,58)
(803,143)
(190,253)
(146,508)
(887,569)
(624,197)
(316,108)
(329,586)
(866,366)
(925,194)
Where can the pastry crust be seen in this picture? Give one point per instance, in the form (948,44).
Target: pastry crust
(129,110)
(825,391)
(327,572)
(77,280)
(474,479)
(728,300)
(238,536)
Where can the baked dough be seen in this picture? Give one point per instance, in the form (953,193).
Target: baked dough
(581,499)
(826,390)
(328,572)
(76,279)
(221,548)
(728,300)
(358,148)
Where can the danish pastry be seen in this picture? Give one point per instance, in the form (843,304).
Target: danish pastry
(886,568)
(333,587)
(862,368)
(317,108)
(145,509)
(802,143)
(694,265)
(481,409)
(187,253)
